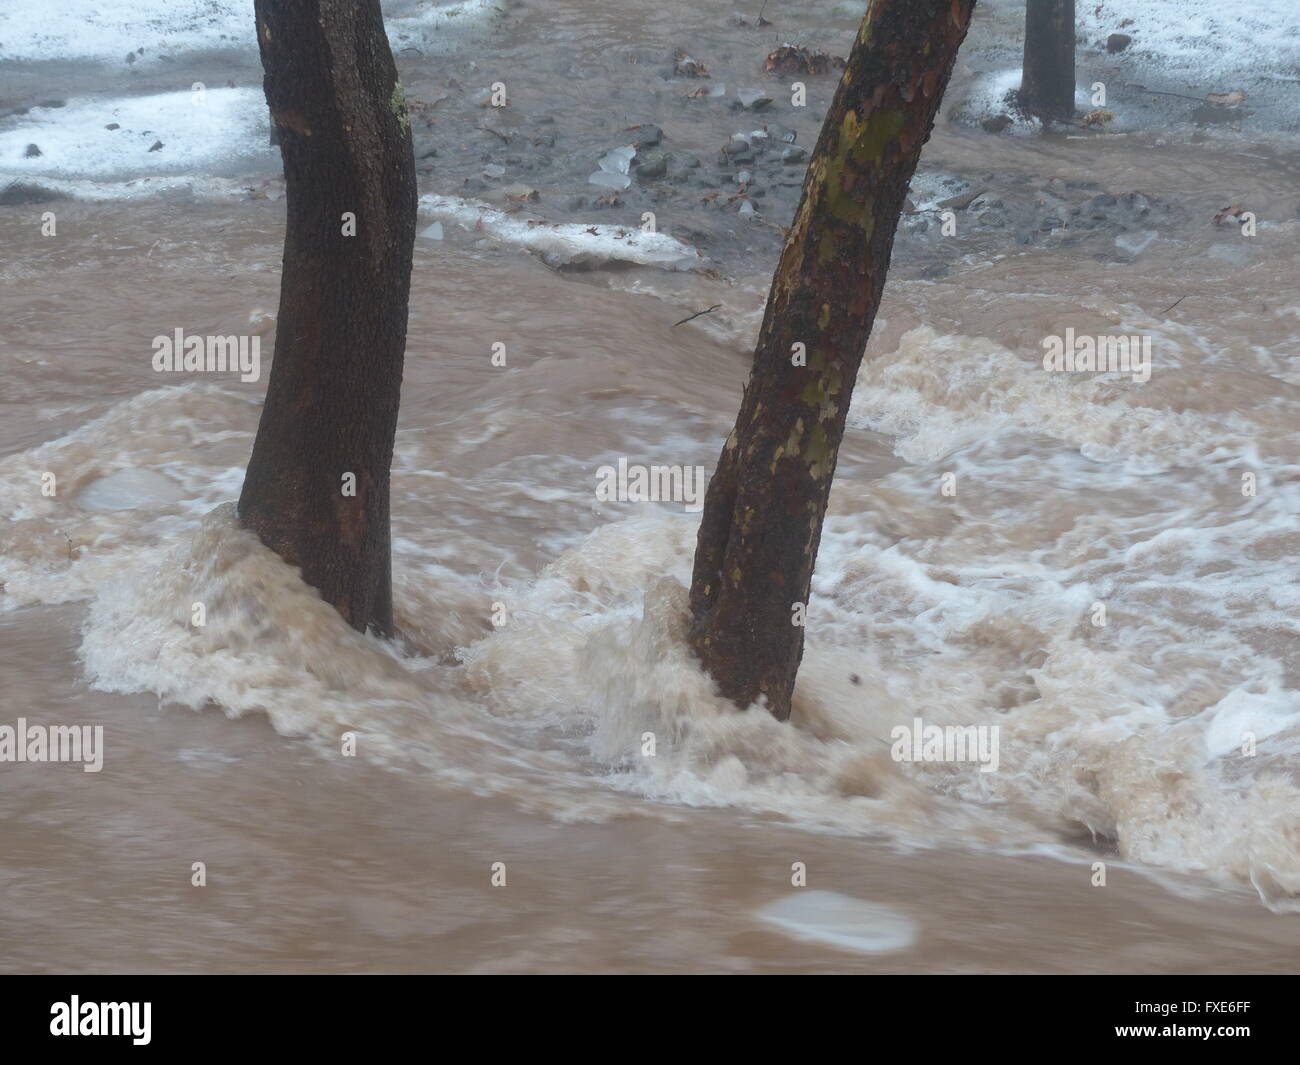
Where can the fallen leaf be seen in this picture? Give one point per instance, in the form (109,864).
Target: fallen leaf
(1098,117)
(686,67)
(789,59)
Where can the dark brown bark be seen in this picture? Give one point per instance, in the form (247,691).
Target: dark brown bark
(1047,81)
(763,512)
(332,398)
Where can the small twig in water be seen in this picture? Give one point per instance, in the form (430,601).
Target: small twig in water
(1172,306)
(494,133)
(707,310)
(1176,95)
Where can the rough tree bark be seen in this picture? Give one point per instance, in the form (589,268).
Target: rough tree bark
(1047,81)
(763,512)
(331,402)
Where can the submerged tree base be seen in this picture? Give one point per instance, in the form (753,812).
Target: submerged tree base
(316,491)
(764,509)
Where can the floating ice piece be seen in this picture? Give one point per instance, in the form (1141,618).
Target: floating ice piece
(567,243)
(618,160)
(130,489)
(434,232)
(608,179)
(842,921)
(1135,243)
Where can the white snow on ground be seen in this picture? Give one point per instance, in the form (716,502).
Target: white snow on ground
(229,125)
(108,29)
(567,243)
(1202,40)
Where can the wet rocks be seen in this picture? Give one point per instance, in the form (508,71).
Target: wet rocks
(738,149)
(752,99)
(651,165)
(995,123)
(1099,206)
(1117,42)
(32,152)
(647,135)
(18,194)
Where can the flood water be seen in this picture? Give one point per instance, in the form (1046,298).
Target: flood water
(522,742)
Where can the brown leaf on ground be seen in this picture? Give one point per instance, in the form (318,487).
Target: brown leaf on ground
(1098,117)
(789,59)
(1225,99)
(686,67)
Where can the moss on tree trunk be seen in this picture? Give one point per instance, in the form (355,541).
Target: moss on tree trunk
(763,512)
(331,403)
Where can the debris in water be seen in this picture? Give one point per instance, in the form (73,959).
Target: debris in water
(686,67)
(842,921)
(789,59)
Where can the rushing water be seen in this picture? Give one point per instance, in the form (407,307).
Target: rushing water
(522,742)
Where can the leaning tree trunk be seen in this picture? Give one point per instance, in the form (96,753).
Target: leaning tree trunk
(763,512)
(1047,81)
(316,491)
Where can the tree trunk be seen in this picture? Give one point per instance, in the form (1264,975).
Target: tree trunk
(764,508)
(1047,82)
(331,402)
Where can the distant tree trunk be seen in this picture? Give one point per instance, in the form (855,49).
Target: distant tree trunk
(1047,81)
(763,512)
(332,398)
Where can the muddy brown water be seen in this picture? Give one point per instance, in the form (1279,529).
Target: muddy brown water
(521,744)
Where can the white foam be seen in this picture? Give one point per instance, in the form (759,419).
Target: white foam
(563,243)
